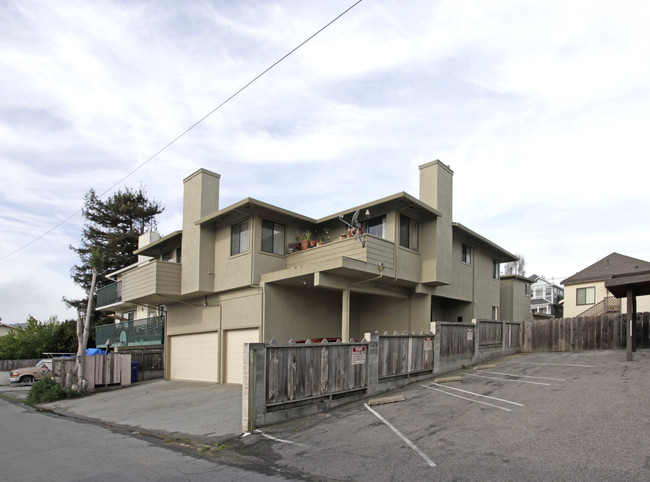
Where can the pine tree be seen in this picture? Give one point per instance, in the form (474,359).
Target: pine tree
(112,227)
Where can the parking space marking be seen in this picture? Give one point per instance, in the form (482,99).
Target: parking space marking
(477,394)
(275,439)
(506,379)
(528,376)
(556,364)
(468,399)
(399,434)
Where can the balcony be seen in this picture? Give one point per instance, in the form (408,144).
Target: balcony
(153,282)
(109,295)
(376,251)
(147,331)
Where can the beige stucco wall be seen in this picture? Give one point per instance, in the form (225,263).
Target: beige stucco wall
(571,309)
(642,304)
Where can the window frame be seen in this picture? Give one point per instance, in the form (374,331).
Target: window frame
(408,232)
(586,290)
(277,246)
(496,268)
(466,254)
(382,223)
(236,233)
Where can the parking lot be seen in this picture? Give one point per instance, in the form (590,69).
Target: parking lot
(548,416)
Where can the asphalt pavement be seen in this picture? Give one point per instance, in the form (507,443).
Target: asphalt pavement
(204,412)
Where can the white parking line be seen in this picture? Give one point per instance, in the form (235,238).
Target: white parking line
(399,434)
(468,399)
(271,437)
(557,364)
(506,379)
(528,376)
(478,394)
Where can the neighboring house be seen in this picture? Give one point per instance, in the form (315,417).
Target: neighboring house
(235,275)
(585,292)
(6,329)
(544,296)
(515,298)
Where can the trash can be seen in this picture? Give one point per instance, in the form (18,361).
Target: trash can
(135,366)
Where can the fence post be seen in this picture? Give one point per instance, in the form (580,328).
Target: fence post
(477,329)
(504,337)
(253,385)
(372,362)
(436,330)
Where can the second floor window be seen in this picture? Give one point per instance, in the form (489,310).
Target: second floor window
(239,238)
(495,269)
(377,226)
(408,233)
(466,256)
(586,296)
(495,312)
(272,237)
(527,289)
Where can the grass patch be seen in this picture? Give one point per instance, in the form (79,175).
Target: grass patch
(48,390)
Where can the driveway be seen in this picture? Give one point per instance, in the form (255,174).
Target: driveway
(201,411)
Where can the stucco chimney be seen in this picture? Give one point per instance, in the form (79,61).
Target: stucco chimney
(145,239)
(436,190)
(200,198)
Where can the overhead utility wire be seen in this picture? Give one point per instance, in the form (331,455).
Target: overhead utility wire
(169,144)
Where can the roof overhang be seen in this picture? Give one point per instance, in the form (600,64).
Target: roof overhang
(160,245)
(501,255)
(248,206)
(638,282)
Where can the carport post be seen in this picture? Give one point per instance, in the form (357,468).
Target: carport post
(345,316)
(631,320)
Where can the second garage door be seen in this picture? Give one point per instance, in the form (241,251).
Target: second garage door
(234,343)
(195,357)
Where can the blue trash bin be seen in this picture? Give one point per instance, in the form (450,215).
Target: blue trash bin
(135,366)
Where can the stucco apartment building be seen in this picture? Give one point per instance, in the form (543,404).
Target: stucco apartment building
(234,275)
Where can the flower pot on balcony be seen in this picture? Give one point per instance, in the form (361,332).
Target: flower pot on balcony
(304,244)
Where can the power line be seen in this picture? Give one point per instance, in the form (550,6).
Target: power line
(169,144)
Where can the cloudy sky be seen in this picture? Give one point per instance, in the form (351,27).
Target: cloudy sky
(541,108)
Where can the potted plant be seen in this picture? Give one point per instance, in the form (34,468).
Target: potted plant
(306,237)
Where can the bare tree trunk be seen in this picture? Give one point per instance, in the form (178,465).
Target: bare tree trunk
(82,337)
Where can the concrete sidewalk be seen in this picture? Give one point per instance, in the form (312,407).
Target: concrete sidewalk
(204,412)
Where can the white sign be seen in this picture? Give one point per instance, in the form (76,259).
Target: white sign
(358,355)
(470,334)
(428,343)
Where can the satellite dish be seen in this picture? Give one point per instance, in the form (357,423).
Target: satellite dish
(355,223)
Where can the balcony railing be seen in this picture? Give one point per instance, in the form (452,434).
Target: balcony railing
(147,331)
(110,294)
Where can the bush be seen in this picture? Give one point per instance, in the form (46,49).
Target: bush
(48,390)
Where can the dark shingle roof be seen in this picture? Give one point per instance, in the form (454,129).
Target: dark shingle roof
(614,264)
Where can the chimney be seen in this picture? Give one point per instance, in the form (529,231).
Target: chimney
(145,239)
(436,190)
(200,198)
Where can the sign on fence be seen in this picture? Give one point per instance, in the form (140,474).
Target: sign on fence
(470,334)
(358,355)
(428,343)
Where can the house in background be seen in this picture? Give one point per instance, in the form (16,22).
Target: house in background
(6,329)
(238,274)
(544,296)
(515,297)
(585,291)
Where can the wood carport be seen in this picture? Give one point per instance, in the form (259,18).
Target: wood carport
(630,285)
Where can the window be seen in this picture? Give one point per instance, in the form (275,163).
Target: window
(408,233)
(527,289)
(272,237)
(495,312)
(586,296)
(495,269)
(377,226)
(466,256)
(178,255)
(239,238)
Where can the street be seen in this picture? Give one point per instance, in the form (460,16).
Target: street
(42,446)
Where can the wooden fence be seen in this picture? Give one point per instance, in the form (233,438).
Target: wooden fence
(583,333)
(456,339)
(298,372)
(99,370)
(8,365)
(405,354)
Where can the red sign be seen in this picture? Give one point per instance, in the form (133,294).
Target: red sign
(358,355)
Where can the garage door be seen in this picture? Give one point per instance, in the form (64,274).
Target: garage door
(195,357)
(235,340)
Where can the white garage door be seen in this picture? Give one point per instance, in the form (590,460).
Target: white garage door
(235,340)
(195,357)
